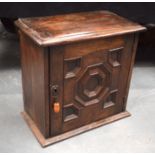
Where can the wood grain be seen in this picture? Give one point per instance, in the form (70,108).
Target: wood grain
(56,78)
(76,71)
(62,29)
(34,60)
(96,90)
(133,55)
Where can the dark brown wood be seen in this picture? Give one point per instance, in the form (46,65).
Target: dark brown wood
(46,142)
(131,63)
(56,78)
(76,71)
(35,82)
(60,29)
(94,77)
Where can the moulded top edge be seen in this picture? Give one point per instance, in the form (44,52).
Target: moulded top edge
(60,29)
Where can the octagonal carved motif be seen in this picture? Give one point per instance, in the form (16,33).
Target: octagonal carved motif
(92,86)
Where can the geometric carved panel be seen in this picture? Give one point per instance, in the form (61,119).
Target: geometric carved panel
(111,99)
(70,112)
(95,82)
(115,56)
(72,67)
(92,85)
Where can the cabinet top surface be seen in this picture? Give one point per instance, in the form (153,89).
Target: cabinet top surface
(60,29)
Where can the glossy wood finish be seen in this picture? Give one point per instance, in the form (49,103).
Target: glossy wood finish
(60,29)
(80,79)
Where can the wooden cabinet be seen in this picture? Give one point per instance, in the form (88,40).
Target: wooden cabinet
(76,70)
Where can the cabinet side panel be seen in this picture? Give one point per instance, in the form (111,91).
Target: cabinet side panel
(34,60)
(132,60)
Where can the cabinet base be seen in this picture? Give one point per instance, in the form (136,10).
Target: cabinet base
(45,142)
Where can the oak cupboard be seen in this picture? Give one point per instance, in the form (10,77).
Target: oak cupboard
(76,71)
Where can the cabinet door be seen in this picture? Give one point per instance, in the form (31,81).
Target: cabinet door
(92,78)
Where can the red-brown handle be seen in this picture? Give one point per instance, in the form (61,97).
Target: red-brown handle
(56,107)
